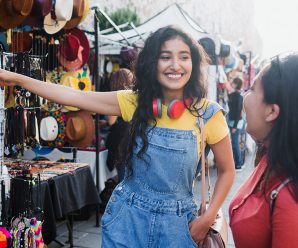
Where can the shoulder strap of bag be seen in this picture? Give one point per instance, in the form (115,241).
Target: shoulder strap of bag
(204,115)
(275,192)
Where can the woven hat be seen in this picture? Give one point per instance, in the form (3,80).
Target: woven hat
(81,81)
(67,80)
(57,18)
(80,128)
(48,128)
(14,12)
(61,119)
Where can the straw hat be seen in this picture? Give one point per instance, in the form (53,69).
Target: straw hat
(14,12)
(60,119)
(57,18)
(68,81)
(48,128)
(80,128)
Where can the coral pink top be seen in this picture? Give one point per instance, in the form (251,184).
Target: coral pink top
(250,219)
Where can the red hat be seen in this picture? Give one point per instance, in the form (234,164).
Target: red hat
(69,47)
(83,42)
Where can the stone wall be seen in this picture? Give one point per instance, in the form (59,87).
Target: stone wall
(232,19)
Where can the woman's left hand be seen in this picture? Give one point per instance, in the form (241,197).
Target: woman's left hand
(199,228)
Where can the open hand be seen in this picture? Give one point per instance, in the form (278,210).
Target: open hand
(7,78)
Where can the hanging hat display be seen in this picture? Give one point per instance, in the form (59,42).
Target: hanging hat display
(80,128)
(77,14)
(86,10)
(60,139)
(41,8)
(83,42)
(67,80)
(61,13)
(82,81)
(14,12)
(70,53)
(48,128)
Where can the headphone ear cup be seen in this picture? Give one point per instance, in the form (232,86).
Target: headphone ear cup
(157,108)
(188,101)
(175,109)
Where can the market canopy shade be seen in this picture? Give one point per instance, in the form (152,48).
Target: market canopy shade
(172,15)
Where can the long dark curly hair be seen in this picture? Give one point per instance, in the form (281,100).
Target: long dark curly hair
(147,86)
(280,86)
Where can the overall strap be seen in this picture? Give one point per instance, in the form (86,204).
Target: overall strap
(211,109)
(275,192)
(206,114)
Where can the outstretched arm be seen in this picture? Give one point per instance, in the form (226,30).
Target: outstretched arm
(100,102)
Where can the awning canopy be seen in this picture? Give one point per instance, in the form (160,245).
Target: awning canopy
(172,15)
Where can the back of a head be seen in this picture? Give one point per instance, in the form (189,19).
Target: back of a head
(121,80)
(238,82)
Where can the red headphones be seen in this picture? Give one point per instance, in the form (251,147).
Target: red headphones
(174,110)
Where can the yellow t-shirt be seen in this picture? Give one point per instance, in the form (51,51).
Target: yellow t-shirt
(216,127)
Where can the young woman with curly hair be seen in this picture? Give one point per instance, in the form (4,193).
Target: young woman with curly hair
(154,205)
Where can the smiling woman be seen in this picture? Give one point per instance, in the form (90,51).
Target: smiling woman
(154,205)
(174,68)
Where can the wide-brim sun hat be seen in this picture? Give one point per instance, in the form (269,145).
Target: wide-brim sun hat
(80,128)
(77,14)
(72,65)
(83,41)
(61,13)
(14,12)
(66,80)
(48,128)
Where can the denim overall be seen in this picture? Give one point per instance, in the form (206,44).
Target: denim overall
(153,206)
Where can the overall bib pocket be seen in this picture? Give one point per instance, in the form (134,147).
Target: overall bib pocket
(162,169)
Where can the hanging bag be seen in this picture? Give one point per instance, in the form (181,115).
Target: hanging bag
(217,235)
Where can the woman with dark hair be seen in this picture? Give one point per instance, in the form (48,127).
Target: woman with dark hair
(154,205)
(264,212)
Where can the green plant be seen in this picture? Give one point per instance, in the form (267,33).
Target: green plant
(119,17)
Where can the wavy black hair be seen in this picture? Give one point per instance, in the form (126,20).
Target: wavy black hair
(147,86)
(280,86)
